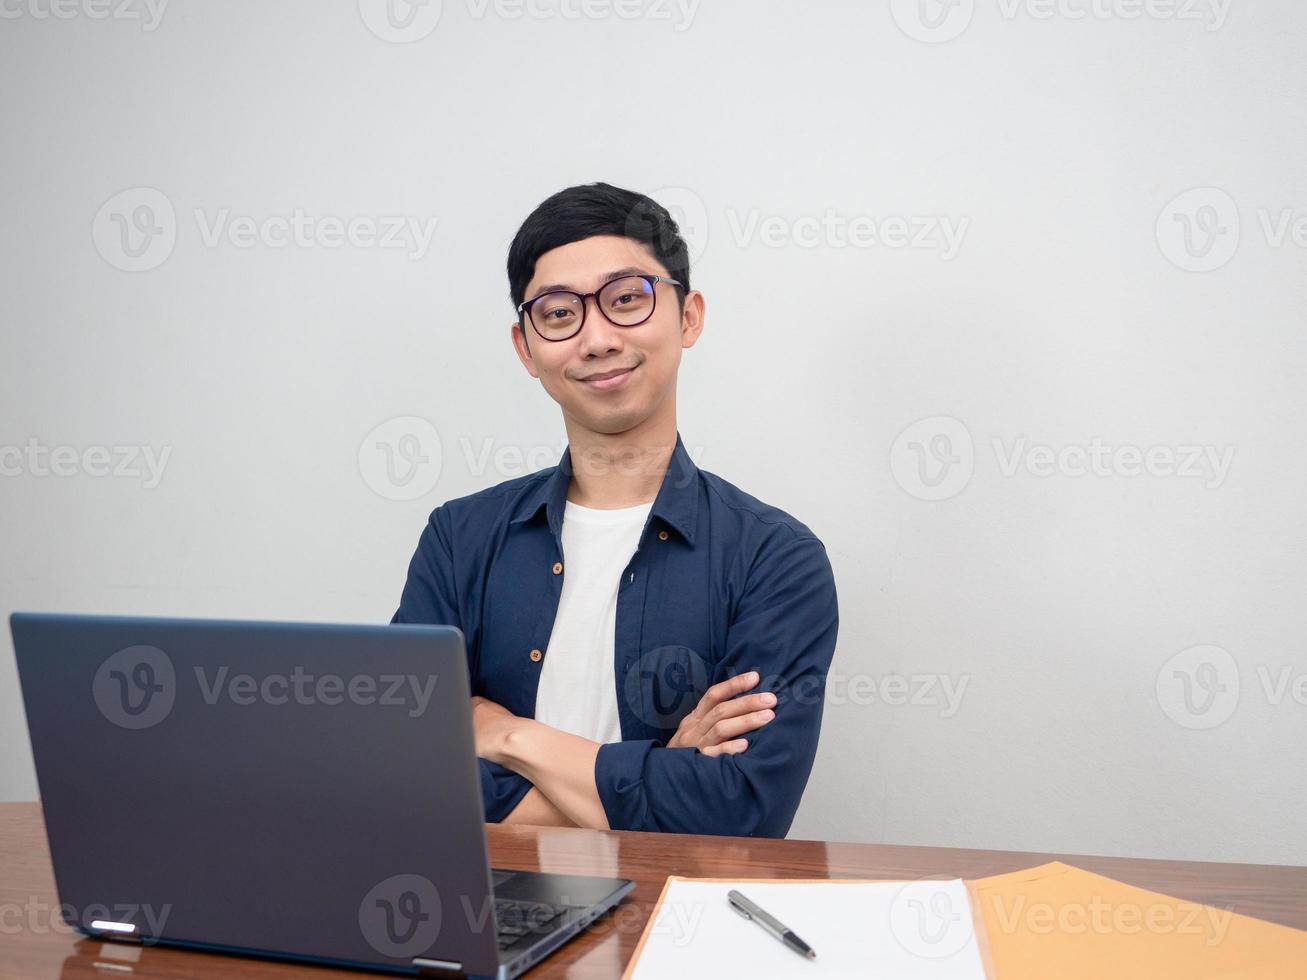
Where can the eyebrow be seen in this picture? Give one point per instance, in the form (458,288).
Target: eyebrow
(615,274)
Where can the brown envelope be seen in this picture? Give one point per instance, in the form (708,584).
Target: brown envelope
(1058,922)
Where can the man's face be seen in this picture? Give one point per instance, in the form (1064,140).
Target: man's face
(648,354)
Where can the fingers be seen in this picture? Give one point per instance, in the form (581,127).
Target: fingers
(741,705)
(723,714)
(733,747)
(745,705)
(731,728)
(727,689)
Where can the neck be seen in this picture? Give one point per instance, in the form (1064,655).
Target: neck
(624,469)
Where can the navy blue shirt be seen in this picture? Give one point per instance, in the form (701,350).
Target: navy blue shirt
(720,584)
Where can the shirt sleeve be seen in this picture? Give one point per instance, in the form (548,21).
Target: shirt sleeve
(784,627)
(430,596)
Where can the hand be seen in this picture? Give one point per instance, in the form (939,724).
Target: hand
(492,723)
(719,719)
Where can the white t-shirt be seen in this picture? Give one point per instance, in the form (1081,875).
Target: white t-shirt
(577,691)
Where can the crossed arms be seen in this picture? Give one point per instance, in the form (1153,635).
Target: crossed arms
(560,766)
(737,764)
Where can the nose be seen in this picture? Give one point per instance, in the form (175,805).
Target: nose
(598,333)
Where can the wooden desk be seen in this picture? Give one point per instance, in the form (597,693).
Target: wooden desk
(31,948)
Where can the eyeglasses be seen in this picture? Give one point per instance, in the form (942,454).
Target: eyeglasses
(625,302)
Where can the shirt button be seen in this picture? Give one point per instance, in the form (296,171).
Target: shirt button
(662,535)
(558,567)
(536,655)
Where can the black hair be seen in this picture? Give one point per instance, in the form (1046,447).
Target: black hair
(587,210)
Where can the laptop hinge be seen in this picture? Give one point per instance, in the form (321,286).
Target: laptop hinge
(445,969)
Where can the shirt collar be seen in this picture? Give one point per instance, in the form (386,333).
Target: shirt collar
(677,503)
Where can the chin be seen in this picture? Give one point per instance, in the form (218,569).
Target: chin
(613,423)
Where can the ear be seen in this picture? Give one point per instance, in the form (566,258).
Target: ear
(692,318)
(517,334)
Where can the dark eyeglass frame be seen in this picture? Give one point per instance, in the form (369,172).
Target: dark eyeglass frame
(652,280)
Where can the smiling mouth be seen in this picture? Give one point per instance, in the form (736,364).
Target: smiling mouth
(609,379)
(608,374)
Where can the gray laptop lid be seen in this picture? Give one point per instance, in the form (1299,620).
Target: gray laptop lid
(279,788)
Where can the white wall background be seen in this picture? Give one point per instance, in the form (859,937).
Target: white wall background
(1072,309)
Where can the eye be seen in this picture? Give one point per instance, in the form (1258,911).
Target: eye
(555,307)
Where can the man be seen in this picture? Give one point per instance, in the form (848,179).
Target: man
(648,644)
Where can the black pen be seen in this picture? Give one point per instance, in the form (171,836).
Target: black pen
(769,922)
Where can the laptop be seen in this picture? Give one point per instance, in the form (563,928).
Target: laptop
(289,790)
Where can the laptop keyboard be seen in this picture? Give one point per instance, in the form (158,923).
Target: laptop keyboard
(514,919)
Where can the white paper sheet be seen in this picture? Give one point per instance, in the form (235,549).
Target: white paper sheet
(881,930)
